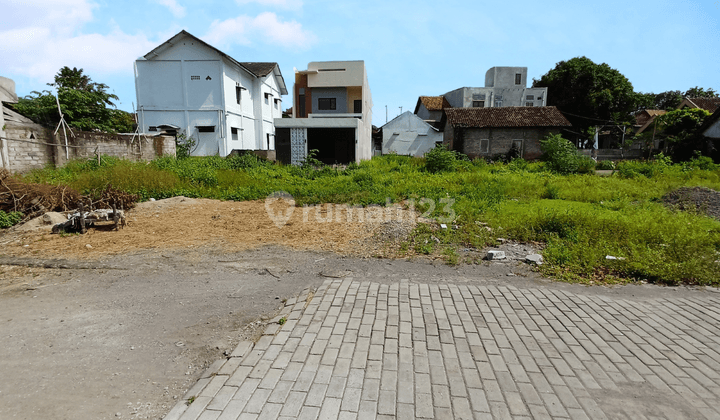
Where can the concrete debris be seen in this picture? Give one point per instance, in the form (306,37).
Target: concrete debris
(534,258)
(495,255)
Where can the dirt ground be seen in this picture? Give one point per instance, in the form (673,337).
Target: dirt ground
(134,316)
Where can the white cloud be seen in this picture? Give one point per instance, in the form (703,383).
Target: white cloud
(177,10)
(281,4)
(265,27)
(44,35)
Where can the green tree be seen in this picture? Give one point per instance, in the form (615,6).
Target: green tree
(591,91)
(698,92)
(87,105)
(680,129)
(666,100)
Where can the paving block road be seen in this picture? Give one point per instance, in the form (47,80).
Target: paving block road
(406,350)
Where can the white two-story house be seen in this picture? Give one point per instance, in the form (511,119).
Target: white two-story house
(188,86)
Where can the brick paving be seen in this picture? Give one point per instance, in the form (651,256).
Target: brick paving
(365,350)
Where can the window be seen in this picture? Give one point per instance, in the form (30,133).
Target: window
(484,145)
(238,94)
(327,104)
(529,97)
(331,70)
(268,141)
(357,106)
(152,128)
(478,97)
(194,77)
(518,78)
(206,128)
(529,104)
(301,106)
(267,99)
(234,133)
(478,104)
(498,104)
(277,103)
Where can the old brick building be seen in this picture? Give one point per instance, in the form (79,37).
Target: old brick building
(486,132)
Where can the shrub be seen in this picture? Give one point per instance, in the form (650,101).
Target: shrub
(560,154)
(440,159)
(10,219)
(605,165)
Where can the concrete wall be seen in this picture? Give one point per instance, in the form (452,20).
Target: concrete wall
(336,73)
(504,77)
(408,135)
(340,95)
(32,146)
(713,131)
(469,140)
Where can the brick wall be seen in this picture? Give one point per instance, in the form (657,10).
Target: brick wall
(31,146)
(468,140)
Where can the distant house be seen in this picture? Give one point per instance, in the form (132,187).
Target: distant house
(504,86)
(708,104)
(430,110)
(409,135)
(331,113)
(486,132)
(188,86)
(646,118)
(711,126)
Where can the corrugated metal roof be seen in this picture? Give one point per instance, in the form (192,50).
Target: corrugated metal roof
(511,116)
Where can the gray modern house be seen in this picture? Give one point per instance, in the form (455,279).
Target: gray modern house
(504,86)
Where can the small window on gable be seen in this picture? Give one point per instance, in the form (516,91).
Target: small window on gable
(484,145)
(327,104)
(518,78)
(194,77)
(478,104)
(206,128)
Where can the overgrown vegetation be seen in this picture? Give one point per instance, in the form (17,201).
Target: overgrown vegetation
(581,218)
(9,219)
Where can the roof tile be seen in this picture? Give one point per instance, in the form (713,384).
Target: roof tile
(511,116)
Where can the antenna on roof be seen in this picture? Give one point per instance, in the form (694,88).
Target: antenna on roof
(64,125)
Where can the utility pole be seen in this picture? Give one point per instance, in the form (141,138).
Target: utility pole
(385,114)
(400,110)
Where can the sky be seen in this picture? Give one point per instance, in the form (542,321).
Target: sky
(410,48)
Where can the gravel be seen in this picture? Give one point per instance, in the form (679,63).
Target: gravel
(699,199)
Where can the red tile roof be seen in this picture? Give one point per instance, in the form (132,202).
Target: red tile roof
(511,116)
(708,104)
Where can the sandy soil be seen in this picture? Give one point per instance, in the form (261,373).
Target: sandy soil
(186,223)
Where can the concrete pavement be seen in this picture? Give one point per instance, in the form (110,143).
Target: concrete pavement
(364,350)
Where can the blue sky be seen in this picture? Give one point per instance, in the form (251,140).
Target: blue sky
(410,48)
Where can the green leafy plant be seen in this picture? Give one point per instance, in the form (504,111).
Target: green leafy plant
(282,320)
(440,159)
(560,155)
(10,219)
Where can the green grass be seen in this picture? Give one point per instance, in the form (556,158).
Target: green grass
(580,218)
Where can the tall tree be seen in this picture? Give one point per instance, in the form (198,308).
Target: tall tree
(589,93)
(87,105)
(698,92)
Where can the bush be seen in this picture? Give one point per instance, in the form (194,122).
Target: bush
(440,159)
(10,219)
(561,155)
(605,165)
